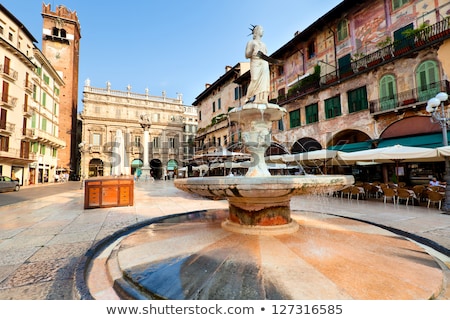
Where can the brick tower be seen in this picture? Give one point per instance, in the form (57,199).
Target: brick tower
(60,45)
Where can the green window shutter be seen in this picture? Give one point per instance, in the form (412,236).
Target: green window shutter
(427,77)
(388,93)
(312,113)
(357,100)
(294,118)
(333,107)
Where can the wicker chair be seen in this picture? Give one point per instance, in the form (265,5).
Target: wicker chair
(404,194)
(389,193)
(435,197)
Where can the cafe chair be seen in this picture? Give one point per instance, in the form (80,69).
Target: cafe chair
(389,193)
(435,197)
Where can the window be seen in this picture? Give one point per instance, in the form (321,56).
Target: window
(280,125)
(46,79)
(280,70)
(427,77)
(219,104)
(294,118)
(156,142)
(214,106)
(388,93)
(237,93)
(4,143)
(311,50)
(199,115)
(43,149)
(333,107)
(312,113)
(44,99)
(3,113)
(5,92)
(342,30)
(96,139)
(357,100)
(172,143)
(137,141)
(396,4)
(44,124)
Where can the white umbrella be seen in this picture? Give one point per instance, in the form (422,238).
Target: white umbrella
(444,151)
(392,154)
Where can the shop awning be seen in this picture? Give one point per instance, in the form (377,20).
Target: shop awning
(352,147)
(432,140)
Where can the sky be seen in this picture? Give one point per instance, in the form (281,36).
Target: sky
(174,46)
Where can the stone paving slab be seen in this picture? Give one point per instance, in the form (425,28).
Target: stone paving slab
(42,240)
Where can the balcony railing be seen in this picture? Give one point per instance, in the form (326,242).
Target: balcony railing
(8,72)
(9,102)
(411,97)
(424,38)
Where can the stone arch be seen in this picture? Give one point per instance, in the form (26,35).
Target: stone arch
(305,144)
(350,140)
(96,167)
(410,126)
(156,168)
(276,149)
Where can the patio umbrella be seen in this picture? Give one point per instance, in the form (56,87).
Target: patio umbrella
(444,151)
(310,158)
(392,154)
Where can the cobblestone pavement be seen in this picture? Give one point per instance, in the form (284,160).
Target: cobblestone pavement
(42,240)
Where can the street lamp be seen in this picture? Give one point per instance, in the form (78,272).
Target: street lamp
(440,117)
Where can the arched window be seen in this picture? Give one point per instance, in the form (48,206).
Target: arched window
(427,78)
(342,30)
(388,92)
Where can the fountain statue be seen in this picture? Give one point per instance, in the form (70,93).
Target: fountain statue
(255,249)
(260,202)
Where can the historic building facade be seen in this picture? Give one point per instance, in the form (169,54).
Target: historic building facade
(215,132)
(171,127)
(61,45)
(360,77)
(29,108)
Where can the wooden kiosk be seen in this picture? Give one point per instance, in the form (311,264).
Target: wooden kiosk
(103,192)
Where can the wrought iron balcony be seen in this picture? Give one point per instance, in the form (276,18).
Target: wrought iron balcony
(408,98)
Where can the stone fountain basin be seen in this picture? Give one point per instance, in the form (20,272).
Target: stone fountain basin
(263,187)
(254,111)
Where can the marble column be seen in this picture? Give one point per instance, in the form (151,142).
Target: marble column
(145,123)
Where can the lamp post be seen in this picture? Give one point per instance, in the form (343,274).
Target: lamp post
(440,117)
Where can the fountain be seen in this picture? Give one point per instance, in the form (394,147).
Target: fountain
(258,202)
(256,249)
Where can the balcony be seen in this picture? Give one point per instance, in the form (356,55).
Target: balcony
(418,41)
(7,128)
(406,99)
(9,103)
(9,73)
(47,138)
